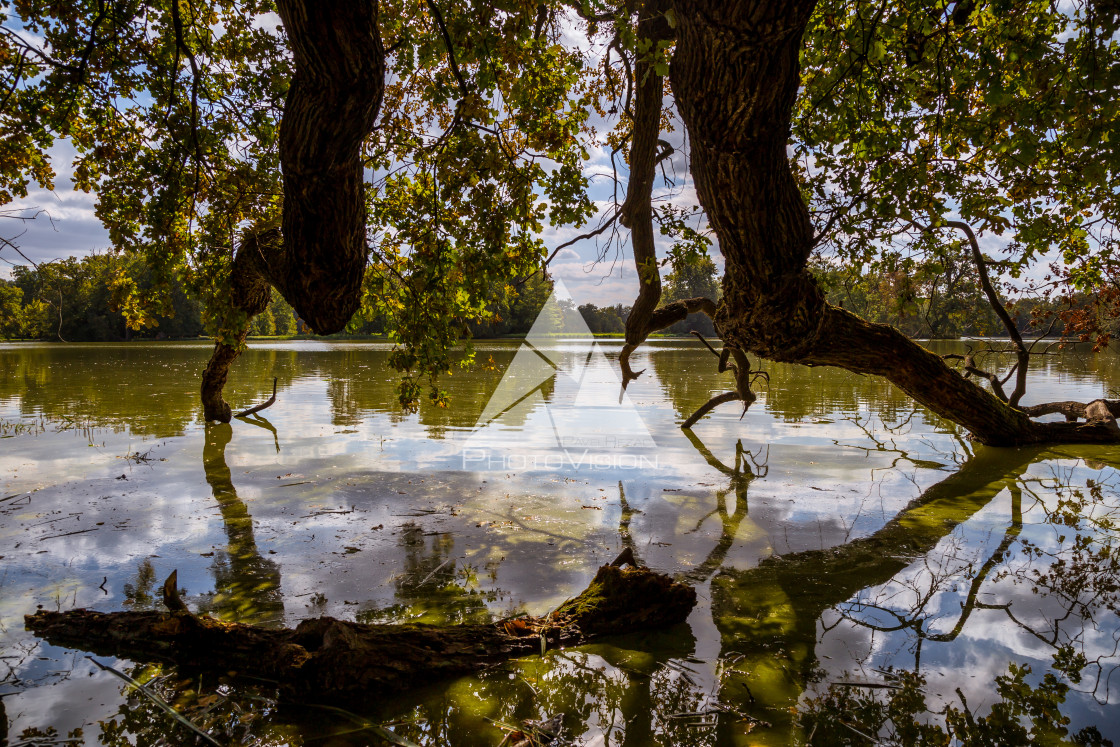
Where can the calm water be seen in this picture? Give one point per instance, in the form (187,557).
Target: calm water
(903,546)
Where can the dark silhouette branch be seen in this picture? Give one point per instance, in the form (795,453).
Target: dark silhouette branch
(269,403)
(1022,353)
(636,212)
(744,377)
(708,406)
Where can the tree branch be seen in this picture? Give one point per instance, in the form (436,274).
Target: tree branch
(744,377)
(707,407)
(271,401)
(1021,351)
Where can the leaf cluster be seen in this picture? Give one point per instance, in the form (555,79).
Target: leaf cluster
(1001,114)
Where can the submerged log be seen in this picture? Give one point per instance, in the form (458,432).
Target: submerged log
(347,661)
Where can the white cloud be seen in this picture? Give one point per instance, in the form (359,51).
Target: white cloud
(66,226)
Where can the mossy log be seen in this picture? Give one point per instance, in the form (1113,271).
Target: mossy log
(346,661)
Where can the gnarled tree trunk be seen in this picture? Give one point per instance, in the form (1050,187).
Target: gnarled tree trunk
(318,262)
(735,75)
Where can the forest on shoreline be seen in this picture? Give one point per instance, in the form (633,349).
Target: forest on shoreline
(80,300)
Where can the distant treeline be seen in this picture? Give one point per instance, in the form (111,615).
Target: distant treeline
(934,301)
(80,300)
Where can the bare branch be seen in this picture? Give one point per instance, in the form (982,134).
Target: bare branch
(584,236)
(271,401)
(708,406)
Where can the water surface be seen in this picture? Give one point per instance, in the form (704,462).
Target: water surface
(899,544)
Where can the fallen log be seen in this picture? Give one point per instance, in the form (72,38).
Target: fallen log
(325,658)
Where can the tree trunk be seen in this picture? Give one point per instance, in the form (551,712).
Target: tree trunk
(319,261)
(330,110)
(735,74)
(334,660)
(250,292)
(637,210)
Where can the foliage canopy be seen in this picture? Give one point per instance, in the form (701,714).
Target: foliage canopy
(901,119)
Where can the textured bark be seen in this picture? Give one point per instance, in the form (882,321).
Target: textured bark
(330,110)
(1072,410)
(319,261)
(214,406)
(735,74)
(637,209)
(328,659)
(250,292)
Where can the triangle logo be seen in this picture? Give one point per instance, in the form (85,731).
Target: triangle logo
(557,403)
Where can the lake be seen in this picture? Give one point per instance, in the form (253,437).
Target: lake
(839,539)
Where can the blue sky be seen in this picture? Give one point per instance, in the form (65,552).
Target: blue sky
(68,225)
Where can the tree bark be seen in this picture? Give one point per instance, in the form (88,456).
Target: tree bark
(330,110)
(250,293)
(637,209)
(335,660)
(735,74)
(319,261)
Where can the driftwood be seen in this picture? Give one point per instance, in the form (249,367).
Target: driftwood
(346,661)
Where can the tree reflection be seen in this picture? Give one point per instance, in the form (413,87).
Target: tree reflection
(746,468)
(633,693)
(260,421)
(912,579)
(793,394)
(246,585)
(769,614)
(434,585)
(918,619)
(246,589)
(1055,581)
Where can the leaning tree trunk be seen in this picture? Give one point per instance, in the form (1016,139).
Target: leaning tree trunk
(646,151)
(637,210)
(330,660)
(735,74)
(319,262)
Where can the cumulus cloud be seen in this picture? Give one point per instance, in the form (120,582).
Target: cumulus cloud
(66,225)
